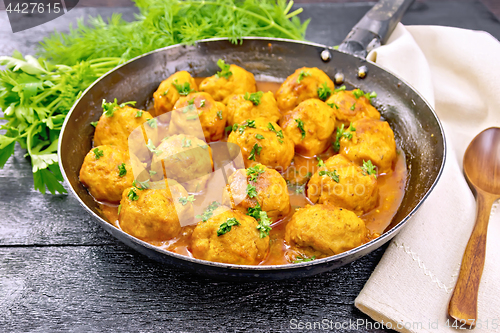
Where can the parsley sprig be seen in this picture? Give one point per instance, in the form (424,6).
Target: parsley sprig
(324,92)
(209,211)
(254,172)
(300,126)
(122,170)
(343,133)
(359,93)
(332,174)
(255,151)
(109,108)
(152,148)
(224,70)
(261,216)
(302,75)
(254,97)
(185,200)
(226,226)
(183,89)
(251,191)
(98,153)
(241,128)
(303,259)
(368,168)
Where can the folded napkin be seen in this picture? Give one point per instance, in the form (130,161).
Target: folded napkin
(457,71)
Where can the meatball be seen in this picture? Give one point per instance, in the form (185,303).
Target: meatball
(231,80)
(154,214)
(195,109)
(185,159)
(304,84)
(170,90)
(114,128)
(251,106)
(106,172)
(349,106)
(372,140)
(324,230)
(240,244)
(342,183)
(261,186)
(310,126)
(263,141)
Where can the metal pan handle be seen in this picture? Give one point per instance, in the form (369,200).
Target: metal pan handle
(375,27)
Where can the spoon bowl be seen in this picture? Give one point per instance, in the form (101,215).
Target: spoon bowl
(482,172)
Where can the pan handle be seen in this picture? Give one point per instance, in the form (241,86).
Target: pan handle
(375,27)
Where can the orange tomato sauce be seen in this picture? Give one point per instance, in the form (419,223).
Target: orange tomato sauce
(391,192)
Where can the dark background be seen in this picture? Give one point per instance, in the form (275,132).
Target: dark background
(60,272)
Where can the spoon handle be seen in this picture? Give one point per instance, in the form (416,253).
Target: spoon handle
(463,303)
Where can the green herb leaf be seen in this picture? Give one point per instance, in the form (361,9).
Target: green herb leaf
(110,107)
(300,126)
(119,209)
(226,226)
(333,105)
(152,148)
(368,168)
(122,171)
(202,103)
(264,224)
(353,106)
(132,195)
(207,214)
(320,162)
(254,97)
(94,123)
(341,88)
(152,123)
(302,75)
(332,174)
(251,191)
(152,172)
(303,259)
(219,114)
(255,151)
(242,127)
(186,142)
(139,113)
(183,89)
(343,133)
(98,153)
(144,185)
(358,93)
(254,172)
(324,92)
(224,72)
(185,200)
(259,136)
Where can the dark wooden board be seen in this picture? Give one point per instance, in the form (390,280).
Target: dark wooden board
(60,272)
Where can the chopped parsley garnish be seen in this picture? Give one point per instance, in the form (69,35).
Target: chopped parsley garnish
(302,75)
(202,103)
(132,195)
(332,174)
(309,175)
(185,200)
(341,132)
(152,148)
(264,222)
(242,127)
(341,88)
(119,208)
(152,172)
(368,168)
(254,97)
(353,106)
(122,171)
(98,153)
(300,126)
(94,123)
(320,162)
(371,95)
(251,191)
(303,259)
(186,142)
(259,136)
(208,212)
(324,92)
(226,226)
(358,93)
(142,185)
(219,114)
(228,129)
(191,101)
(152,123)
(254,172)
(166,92)
(224,72)
(192,117)
(279,133)
(183,89)
(139,113)
(255,151)
(110,107)
(333,105)
(299,190)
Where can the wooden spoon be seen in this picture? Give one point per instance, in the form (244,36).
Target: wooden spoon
(482,171)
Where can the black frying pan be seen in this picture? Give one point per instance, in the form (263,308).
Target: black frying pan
(417,129)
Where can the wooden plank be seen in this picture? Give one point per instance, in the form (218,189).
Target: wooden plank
(112,288)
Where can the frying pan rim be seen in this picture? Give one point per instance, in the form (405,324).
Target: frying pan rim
(386,235)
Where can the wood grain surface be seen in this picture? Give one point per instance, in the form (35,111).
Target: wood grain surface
(60,272)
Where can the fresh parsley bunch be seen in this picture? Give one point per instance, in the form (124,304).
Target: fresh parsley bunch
(36,94)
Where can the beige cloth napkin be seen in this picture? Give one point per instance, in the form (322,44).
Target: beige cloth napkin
(457,71)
